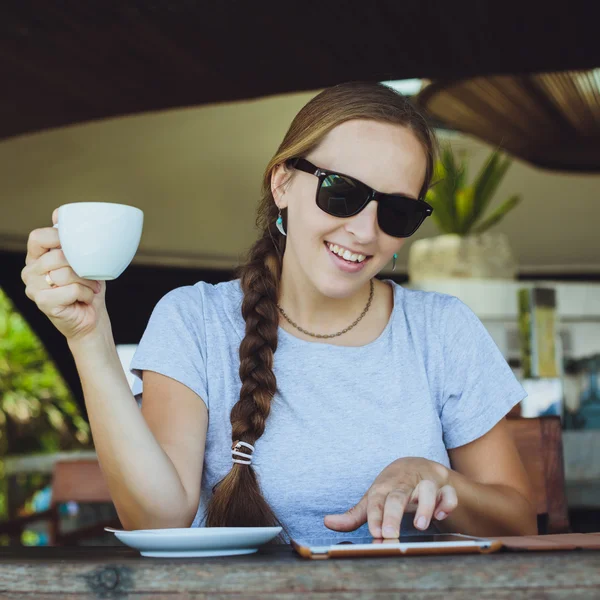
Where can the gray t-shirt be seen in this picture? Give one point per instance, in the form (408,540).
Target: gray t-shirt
(433,380)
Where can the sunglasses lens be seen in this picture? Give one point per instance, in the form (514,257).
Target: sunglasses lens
(399,217)
(340,196)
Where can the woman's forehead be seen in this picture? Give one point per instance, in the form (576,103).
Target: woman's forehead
(385,156)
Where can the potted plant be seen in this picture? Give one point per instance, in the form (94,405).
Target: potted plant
(466,248)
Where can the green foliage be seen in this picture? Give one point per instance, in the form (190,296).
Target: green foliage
(37,410)
(459,207)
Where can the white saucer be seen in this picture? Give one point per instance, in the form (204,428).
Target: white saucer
(197,541)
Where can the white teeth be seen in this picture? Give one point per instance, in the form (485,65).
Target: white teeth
(346,254)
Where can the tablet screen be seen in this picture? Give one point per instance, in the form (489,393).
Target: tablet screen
(405,539)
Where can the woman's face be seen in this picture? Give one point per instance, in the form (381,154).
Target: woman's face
(388,158)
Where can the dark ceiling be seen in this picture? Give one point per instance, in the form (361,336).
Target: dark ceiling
(70,61)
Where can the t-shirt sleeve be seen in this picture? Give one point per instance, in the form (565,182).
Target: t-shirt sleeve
(174,342)
(479,386)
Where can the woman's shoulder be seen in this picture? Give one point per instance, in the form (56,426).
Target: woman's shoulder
(202,294)
(202,308)
(440,315)
(413,302)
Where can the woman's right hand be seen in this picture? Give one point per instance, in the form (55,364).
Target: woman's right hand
(74,305)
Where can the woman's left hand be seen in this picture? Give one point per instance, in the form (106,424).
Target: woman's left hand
(406,485)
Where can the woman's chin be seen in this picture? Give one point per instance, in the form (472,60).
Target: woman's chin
(340,287)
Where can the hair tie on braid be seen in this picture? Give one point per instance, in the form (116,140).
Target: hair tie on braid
(235,450)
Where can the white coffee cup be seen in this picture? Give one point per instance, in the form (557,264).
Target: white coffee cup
(99,239)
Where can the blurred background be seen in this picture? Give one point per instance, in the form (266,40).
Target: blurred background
(177,109)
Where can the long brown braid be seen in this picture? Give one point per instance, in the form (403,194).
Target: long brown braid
(237,500)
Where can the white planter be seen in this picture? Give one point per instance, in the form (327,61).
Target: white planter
(484,256)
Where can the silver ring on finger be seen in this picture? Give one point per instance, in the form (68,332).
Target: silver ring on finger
(49,280)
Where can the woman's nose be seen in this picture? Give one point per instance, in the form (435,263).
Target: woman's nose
(364,225)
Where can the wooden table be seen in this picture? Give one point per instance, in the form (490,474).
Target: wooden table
(278,573)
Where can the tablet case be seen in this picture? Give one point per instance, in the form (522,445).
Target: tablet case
(385,550)
(530,543)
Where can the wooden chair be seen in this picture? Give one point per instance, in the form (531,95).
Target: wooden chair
(72,480)
(539,441)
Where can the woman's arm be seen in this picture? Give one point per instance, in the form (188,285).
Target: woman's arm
(492,487)
(487,493)
(151,458)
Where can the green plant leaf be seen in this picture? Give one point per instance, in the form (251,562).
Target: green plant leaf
(441,211)
(498,214)
(449,175)
(464,209)
(451,179)
(486,183)
(461,180)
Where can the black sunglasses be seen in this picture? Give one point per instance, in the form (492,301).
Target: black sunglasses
(343,196)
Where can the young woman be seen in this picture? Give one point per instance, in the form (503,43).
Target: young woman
(307,392)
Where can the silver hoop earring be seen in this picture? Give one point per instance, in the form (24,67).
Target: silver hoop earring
(279,224)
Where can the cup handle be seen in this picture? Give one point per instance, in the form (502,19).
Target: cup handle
(59,232)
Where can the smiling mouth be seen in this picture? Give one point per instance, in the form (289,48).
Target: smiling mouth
(346,254)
